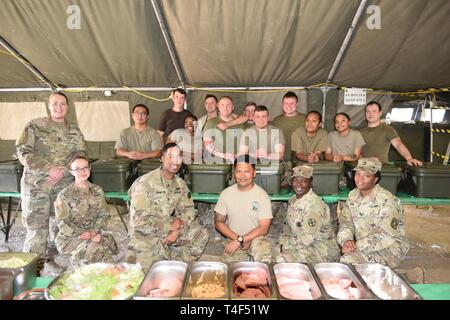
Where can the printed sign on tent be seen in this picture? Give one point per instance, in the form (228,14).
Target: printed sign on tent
(355,96)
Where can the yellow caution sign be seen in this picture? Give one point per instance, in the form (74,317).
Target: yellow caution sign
(440,155)
(441,130)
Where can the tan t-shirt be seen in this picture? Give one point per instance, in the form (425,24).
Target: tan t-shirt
(378,141)
(266,138)
(345,145)
(288,126)
(302,143)
(244,209)
(143,141)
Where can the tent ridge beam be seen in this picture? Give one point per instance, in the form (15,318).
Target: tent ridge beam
(169,42)
(346,42)
(26,63)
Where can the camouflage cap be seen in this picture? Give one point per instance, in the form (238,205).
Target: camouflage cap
(303,171)
(371,165)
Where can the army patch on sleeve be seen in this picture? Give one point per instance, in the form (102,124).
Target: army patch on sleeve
(311,222)
(189,195)
(394,223)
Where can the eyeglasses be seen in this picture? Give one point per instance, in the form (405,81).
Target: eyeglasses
(78,170)
(141,113)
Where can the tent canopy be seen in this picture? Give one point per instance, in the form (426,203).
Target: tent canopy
(225,43)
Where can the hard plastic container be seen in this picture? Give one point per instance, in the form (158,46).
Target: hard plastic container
(146,166)
(160,280)
(207,280)
(432,180)
(293,279)
(24,275)
(326,176)
(10,175)
(112,174)
(391,175)
(209,178)
(269,176)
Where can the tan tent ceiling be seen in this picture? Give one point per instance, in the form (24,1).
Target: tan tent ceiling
(226,43)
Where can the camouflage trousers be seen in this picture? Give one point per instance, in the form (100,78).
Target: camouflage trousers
(260,250)
(391,256)
(85,251)
(38,216)
(189,246)
(291,251)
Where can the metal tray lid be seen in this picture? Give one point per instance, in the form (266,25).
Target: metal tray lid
(289,272)
(386,283)
(335,270)
(167,273)
(237,268)
(210,276)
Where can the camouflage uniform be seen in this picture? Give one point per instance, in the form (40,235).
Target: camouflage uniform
(309,235)
(78,210)
(376,223)
(155,202)
(44,144)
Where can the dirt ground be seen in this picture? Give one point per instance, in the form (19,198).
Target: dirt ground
(428,229)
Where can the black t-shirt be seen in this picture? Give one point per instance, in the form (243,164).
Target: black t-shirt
(172,120)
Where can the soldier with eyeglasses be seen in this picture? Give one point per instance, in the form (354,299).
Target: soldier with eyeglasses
(81,213)
(140,141)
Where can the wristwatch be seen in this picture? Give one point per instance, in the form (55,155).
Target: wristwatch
(240,239)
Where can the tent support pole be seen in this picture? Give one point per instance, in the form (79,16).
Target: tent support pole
(169,43)
(324,103)
(346,41)
(26,63)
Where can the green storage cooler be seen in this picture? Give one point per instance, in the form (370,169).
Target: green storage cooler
(145,166)
(326,176)
(113,174)
(390,176)
(10,175)
(209,178)
(269,176)
(432,180)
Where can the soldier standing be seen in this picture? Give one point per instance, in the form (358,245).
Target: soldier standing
(372,226)
(244,214)
(81,213)
(309,235)
(45,148)
(162,215)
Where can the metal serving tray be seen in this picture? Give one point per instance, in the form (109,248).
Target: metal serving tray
(205,279)
(296,271)
(327,271)
(386,283)
(94,268)
(24,276)
(237,268)
(167,273)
